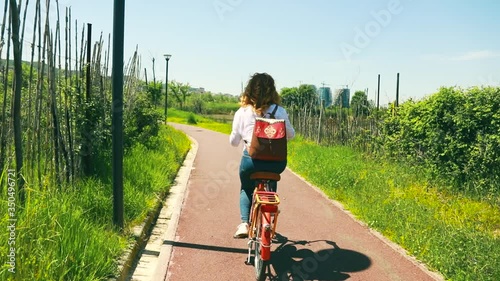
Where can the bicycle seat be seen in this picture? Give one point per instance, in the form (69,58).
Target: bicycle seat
(265,176)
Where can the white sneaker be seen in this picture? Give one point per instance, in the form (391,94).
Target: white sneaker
(241,231)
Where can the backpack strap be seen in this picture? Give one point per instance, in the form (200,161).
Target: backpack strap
(271,114)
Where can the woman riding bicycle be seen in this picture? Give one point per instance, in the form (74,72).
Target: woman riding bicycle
(259,98)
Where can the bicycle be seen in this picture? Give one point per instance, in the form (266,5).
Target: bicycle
(263,220)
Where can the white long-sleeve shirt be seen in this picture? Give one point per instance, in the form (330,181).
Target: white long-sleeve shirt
(244,121)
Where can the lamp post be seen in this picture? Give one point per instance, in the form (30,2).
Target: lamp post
(167,57)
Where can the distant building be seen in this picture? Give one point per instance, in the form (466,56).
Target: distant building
(199,90)
(325,96)
(342,97)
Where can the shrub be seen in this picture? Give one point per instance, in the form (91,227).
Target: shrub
(455,133)
(191,119)
(141,122)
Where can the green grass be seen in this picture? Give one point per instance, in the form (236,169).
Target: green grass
(215,107)
(57,241)
(68,235)
(454,235)
(457,236)
(183,117)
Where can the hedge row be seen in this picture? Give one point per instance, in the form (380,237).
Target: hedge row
(454,133)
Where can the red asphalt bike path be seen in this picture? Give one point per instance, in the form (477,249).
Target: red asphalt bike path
(317,239)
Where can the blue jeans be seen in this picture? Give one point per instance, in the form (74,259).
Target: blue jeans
(247,167)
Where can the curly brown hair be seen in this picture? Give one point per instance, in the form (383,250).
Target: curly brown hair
(260,93)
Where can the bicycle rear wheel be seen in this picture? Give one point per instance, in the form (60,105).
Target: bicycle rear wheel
(259,264)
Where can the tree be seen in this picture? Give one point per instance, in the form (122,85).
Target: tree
(180,92)
(360,104)
(300,97)
(154,92)
(308,95)
(289,97)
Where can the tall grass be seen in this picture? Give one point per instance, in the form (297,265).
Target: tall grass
(68,235)
(56,240)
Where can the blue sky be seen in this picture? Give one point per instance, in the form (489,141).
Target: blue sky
(218,44)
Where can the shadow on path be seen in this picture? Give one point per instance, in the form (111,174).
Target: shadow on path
(291,260)
(205,247)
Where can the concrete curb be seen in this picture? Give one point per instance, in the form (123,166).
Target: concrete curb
(173,208)
(141,233)
(165,212)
